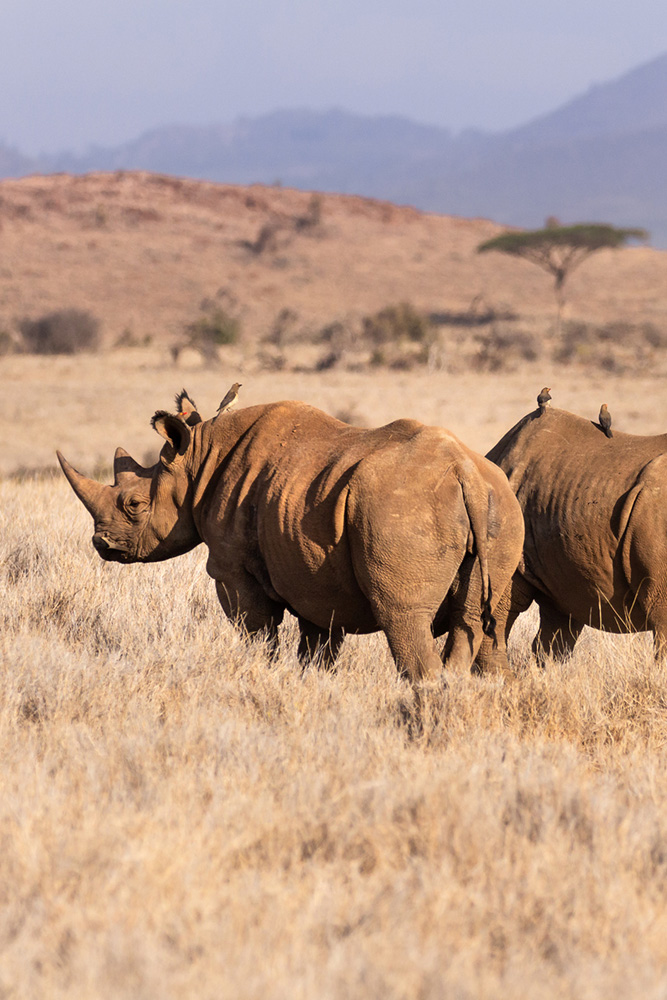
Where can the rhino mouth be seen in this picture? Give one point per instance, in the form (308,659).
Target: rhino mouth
(108,553)
(115,555)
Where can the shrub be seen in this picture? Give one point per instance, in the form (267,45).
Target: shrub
(312,217)
(395,323)
(65,331)
(505,347)
(128,338)
(216,327)
(266,240)
(618,346)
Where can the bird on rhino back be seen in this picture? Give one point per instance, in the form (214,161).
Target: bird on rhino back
(400,528)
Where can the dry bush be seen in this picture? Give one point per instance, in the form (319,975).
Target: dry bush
(505,346)
(615,347)
(215,327)
(399,336)
(267,239)
(395,323)
(311,220)
(180,818)
(64,331)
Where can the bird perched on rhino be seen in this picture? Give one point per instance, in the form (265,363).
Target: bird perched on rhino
(605,420)
(543,398)
(187,408)
(230,398)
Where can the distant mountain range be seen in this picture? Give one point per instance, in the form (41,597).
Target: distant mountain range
(601,157)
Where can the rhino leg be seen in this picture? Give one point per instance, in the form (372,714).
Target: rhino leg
(319,643)
(412,645)
(492,657)
(656,620)
(557,634)
(251,607)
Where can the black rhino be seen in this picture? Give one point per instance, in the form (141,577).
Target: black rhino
(401,528)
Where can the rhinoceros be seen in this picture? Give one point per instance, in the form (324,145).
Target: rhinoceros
(400,528)
(595,511)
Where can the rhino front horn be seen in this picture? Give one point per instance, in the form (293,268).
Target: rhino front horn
(89,491)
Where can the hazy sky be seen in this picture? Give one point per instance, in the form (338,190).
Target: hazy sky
(77,72)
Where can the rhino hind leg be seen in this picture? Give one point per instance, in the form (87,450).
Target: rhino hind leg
(319,644)
(657,623)
(410,637)
(492,657)
(557,634)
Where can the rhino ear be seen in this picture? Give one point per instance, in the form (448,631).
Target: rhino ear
(187,408)
(173,429)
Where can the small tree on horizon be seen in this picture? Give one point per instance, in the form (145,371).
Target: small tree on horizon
(560,249)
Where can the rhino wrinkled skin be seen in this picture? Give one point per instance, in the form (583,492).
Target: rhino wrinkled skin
(399,528)
(595,511)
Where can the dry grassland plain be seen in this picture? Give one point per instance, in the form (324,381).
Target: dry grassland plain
(180,817)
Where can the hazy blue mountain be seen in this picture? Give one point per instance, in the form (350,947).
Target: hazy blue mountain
(302,148)
(635,102)
(600,157)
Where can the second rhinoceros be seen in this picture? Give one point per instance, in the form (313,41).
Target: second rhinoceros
(596,524)
(400,528)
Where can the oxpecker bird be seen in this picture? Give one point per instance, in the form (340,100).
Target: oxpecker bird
(605,420)
(230,398)
(543,398)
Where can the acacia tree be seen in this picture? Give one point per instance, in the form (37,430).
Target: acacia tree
(560,249)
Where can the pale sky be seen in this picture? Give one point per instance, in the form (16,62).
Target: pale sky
(80,72)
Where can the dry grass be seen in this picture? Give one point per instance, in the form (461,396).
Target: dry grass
(178,818)
(86,406)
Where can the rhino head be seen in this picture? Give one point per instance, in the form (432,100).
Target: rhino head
(146,515)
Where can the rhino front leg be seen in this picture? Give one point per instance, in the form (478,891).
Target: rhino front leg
(320,643)
(245,602)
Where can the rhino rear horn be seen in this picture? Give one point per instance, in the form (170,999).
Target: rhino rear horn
(91,493)
(124,467)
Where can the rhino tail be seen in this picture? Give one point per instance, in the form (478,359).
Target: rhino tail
(477,497)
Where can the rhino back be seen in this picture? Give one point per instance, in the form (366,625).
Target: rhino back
(573,485)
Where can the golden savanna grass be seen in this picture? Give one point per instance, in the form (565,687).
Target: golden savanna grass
(180,818)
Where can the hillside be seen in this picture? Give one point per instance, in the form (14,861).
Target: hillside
(150,255)
(147,253)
